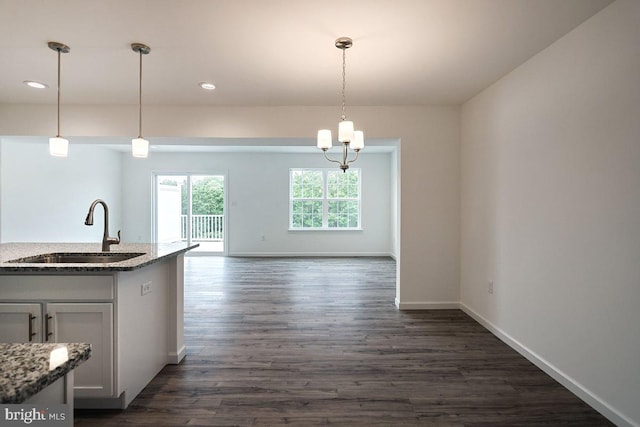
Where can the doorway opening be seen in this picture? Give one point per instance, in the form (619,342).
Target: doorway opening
(191,208)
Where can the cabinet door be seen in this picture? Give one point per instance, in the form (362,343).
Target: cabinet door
(20,323)
(91,323)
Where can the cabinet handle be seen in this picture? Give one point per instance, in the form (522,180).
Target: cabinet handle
(31,333)
(47,333)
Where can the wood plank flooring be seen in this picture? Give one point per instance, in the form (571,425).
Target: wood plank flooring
(318,341)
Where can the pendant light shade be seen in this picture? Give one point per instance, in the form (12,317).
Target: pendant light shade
(345,131)
(324,139)
(58,146)
(139,145)
(357,143)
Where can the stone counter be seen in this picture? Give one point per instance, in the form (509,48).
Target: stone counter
(25,368)
(153,252)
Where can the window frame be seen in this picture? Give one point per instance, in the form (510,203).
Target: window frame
(325,199)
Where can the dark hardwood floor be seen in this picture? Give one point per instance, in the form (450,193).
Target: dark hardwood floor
(308,341)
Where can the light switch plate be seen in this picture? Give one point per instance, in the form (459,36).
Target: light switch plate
(145,288)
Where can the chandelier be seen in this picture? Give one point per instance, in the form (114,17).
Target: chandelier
(349,137)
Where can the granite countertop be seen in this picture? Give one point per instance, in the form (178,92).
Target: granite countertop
(152,252)
(25,368)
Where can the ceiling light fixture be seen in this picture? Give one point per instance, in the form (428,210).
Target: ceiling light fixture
(35,85)
(139,145)
(346,134)
(58,146)
(207,85)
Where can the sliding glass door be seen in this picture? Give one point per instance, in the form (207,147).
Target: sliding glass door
(190,208)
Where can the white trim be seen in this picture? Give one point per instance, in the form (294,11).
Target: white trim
(203,253)
(100,403)
(427,305)
(326,229)
(572,385)
(310,254)
(176,358)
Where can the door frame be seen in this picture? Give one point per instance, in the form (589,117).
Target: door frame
(154,205)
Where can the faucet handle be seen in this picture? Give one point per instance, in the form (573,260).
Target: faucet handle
(113,240)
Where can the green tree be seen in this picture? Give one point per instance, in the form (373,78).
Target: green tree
(207,195)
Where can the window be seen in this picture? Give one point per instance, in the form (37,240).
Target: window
(324,199)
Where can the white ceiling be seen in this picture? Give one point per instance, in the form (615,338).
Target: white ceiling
(274,52)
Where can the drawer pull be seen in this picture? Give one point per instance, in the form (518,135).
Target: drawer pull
(47,333)
(31,333)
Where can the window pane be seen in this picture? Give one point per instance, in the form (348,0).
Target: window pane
(343,214)
(343,185)
(306,214)
(306,184)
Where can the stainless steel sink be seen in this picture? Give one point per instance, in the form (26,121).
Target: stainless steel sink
(79,257)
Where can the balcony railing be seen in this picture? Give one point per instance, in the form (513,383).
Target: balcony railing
(209,228)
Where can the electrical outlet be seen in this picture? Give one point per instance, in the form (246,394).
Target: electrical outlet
(145,288)
(490,288)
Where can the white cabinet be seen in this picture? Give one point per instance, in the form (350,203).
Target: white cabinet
(20,323)
(132,319)
(91,323)
(32,311)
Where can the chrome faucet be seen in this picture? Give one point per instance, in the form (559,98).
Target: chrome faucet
(106,240)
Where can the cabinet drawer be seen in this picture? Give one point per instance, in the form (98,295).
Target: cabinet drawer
(56,287)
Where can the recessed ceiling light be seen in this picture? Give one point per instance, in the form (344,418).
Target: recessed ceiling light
(36,85)
(207,85)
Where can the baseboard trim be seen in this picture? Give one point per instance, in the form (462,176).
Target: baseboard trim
(427,305)
(176,358)
(309,254)
(575,387)
(100,403)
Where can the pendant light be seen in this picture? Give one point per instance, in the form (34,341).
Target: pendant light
(58,146)
(139,145)
(346,133)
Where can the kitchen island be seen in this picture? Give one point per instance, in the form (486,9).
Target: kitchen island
(130,311)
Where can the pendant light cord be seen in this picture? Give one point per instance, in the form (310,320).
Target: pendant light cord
(58,133)
(140,100)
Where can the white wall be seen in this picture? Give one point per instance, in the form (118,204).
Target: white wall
(46,199)
(258,201)
(395,203)
(429,207)
(551,209)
